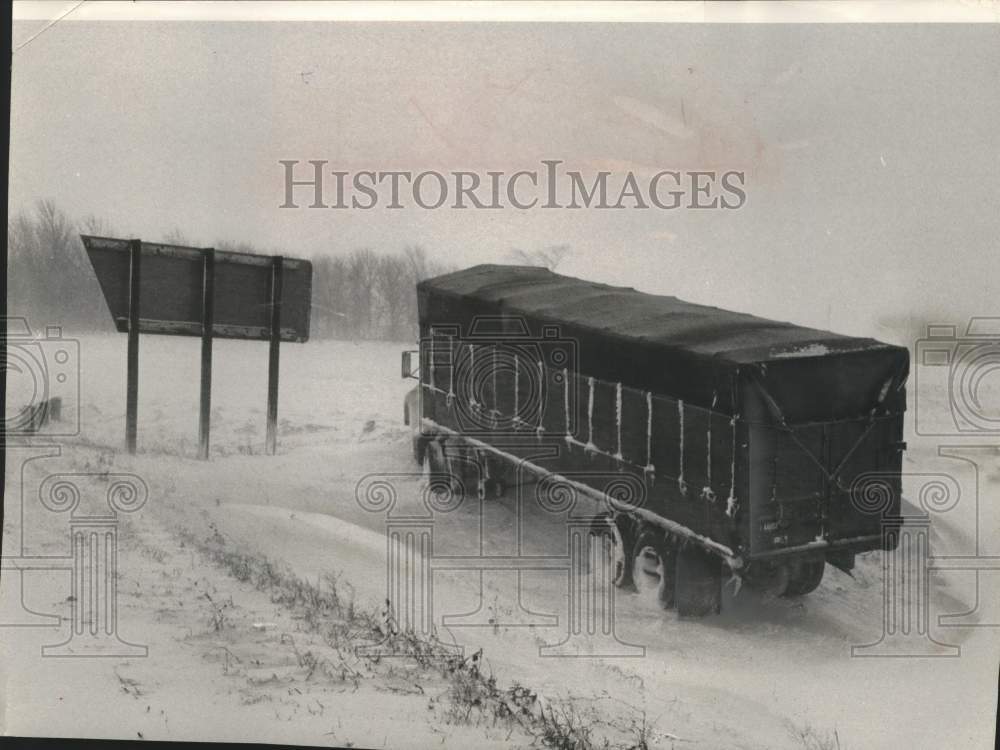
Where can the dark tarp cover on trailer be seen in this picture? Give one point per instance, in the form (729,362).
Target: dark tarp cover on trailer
(663,344)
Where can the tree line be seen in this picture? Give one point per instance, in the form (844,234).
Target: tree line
(364,295)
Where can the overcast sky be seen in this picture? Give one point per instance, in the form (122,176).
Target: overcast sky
(872,152)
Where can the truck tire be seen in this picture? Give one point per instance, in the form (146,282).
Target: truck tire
(419,448)
(434,457)
(699,582)
(654,567)
(805,577)
(624,547)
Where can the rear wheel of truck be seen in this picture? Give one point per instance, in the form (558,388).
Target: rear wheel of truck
(433,457)
(805,577)
(654,567)
(623,549)
(606,547)
(419,448)
(699,582)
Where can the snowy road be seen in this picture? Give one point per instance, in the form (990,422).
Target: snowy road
(727,681)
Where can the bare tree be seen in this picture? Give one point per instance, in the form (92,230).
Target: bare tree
(397,296)
(363,295)
(97,226)
(50,280)
(362,272)
(330,308)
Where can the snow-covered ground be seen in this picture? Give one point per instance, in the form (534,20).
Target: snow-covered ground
(747,678)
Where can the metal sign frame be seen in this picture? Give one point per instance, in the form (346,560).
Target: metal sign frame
(207,327)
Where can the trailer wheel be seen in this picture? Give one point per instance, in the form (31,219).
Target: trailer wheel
(434,457)
(654,567)
(605,532)
(699,582)
(623,550)
(419,448)
(805,578)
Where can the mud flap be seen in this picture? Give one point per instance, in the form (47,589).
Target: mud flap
(698,589)
(842,560)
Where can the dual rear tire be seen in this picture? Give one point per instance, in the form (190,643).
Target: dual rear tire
(664,569)
(683,576)
(669,572)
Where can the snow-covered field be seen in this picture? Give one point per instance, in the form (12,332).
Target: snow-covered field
(766,673)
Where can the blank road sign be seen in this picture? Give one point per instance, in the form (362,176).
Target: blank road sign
(171,290)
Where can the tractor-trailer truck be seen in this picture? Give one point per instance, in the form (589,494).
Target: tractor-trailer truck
(711,439)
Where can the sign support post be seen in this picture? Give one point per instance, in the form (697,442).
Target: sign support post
(203,292)
(207,321)
(272,359)
(132,381)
